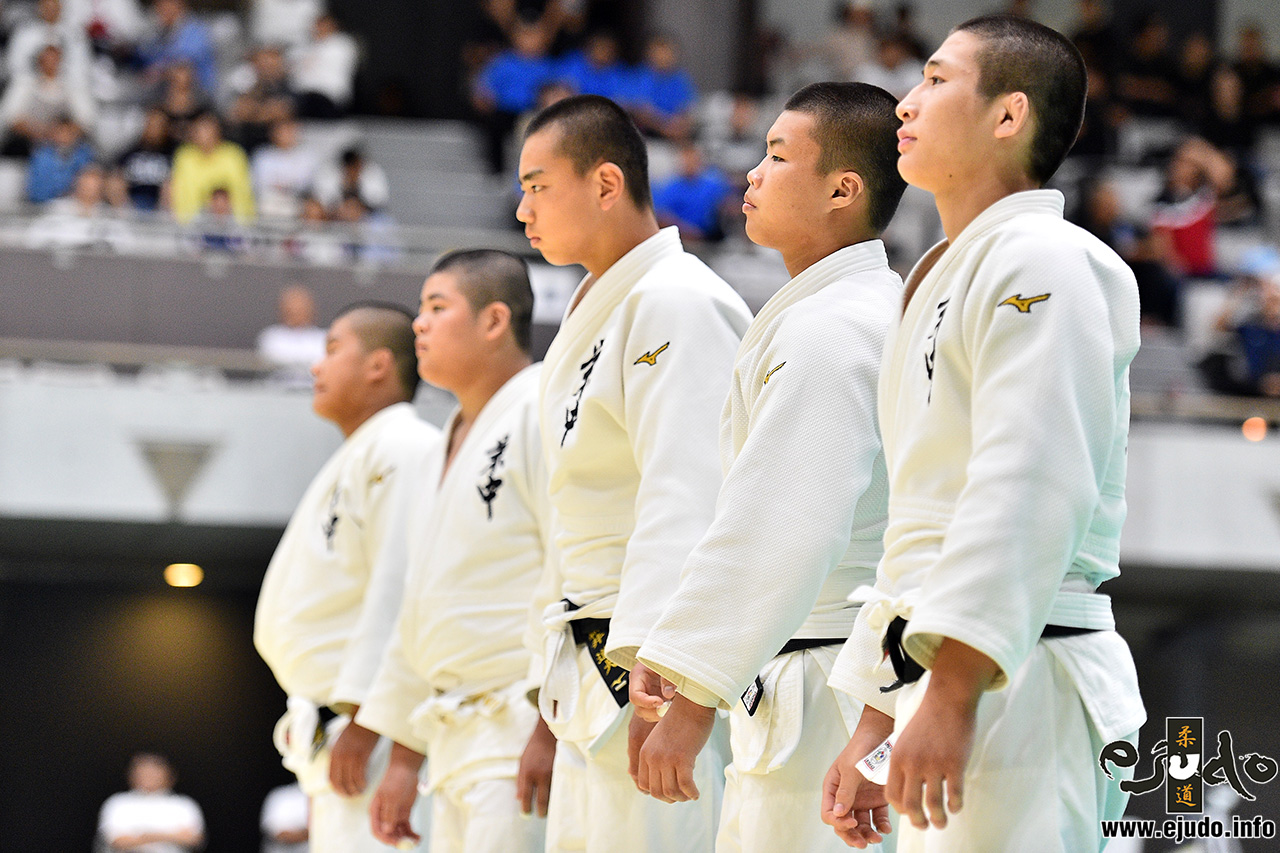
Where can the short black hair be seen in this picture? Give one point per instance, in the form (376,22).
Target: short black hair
(595,130)
(387,325)
(856,126)
(1018,55)
(486,276)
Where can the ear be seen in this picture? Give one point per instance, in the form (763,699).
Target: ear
(379,365)
(847,187)
(495,320)
(1013,115)
(610,184)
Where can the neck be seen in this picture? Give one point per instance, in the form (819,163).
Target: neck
(958,208)
(620,237)
(356,419)
(799,258)
(489,380)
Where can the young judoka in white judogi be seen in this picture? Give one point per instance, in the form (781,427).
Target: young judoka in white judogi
(1004,408)
(332,591)
(455,681)
(802,510)
(631,392)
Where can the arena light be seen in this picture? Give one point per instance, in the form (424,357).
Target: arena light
(183,574)
(1254,428)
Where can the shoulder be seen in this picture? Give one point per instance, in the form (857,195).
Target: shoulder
(1049,250)
(680,284)
(846,317)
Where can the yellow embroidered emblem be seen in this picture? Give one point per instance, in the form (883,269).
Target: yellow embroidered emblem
(380,476)
(1024,305)
(651,358)
(771,372)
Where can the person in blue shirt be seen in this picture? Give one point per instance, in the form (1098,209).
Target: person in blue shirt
(55,163)
(693,198)
(181,38)
(597,70)
(667,94)
(508,85)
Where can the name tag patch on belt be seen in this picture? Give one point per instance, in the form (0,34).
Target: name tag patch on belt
(594,634)
(752,695)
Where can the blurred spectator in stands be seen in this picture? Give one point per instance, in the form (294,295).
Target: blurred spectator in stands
(1245,358)
(667,95)
(852,42)
(893,68)
(50,26)
(283,171)
(112,26)
(597,69)
(1259,76)
(205,163)
(1203,187)
(283,22)
(293,341)
(352,174)
(286,810)
(734,137)
(179,37)
(1097,138)
(147,165)
(182,100)
(1227,126)
(324,71)
(216,228)
(260,96)
(508,86)
(904,27)
(1194,81)
(115,192)
(80,220)
(314,242)
(56,162)
(33,102)
(694,197)
(1146,75)
(1146,252)
(1096,37)
(370,234)
(149,816)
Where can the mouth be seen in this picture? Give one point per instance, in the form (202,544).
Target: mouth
(533,239)
(747,205)
(905,140)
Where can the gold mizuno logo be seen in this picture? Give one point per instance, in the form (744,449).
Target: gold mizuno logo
(651,358)
(1024,305)
(771,372)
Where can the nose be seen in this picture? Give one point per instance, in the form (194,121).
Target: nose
(753,176)
(522,210)
(315,369)
(420,324)
(906,108)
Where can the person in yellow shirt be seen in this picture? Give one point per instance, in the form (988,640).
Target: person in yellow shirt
(207,163)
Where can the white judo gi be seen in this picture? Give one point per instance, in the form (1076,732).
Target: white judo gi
(329,603)
(1004,409)
(632,388)
(455,680)
(798,526)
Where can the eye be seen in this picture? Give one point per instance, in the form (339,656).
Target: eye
(935,80)
(775,158)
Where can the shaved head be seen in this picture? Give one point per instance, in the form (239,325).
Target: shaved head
(486,276)
(385,325)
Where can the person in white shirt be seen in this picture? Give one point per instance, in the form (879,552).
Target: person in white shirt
(150,817)
(632,387)
(286,812)
(455,681)
(324,70)
(1004,410)
(50,26)
(296,341)
(334,586)
(762,609)
(282,171)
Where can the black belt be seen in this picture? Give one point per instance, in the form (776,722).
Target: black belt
(594,634)
(909,671)
(755,690)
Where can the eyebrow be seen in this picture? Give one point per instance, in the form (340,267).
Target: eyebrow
(777,140)
(531,174)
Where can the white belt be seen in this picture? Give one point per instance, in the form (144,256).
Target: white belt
(558,698)
(295,739)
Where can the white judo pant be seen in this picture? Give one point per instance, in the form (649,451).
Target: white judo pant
(1033,781)
(475,748)
(781,754)
(596,807)
(341,824)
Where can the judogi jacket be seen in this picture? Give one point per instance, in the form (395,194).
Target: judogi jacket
(333,588)
(1004,409)
(801,513)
